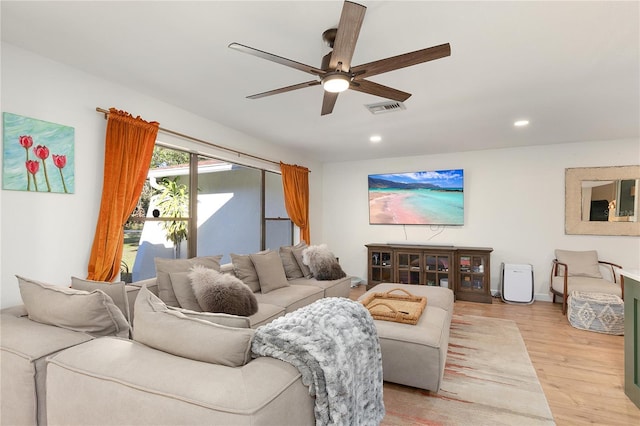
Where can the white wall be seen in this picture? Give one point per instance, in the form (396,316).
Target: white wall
(48,237)
(514,198)
(514,202)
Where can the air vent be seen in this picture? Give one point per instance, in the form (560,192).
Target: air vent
(383,107)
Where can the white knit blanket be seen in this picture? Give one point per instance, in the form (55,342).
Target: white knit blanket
(334,344)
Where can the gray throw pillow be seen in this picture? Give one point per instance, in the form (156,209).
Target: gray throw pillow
(181,284)
(166,266)
(289,262)
(116,291)
(171,331)
(245,271)
(270,271)
(297,253)
(217,292)
(78,310)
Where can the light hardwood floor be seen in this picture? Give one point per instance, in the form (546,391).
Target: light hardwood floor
(581,372)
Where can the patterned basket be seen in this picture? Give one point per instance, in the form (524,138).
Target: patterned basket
(599,312)
(405,308)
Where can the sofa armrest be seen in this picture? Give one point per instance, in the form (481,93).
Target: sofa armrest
(24,347)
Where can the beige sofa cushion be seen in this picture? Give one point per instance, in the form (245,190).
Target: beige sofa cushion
(270,271)
(579,263)
(266,313)
(216,318)
(297,253)
(173,332)
(116,291)
(289,262)
(88,312)
(150,387)
(183,290)
(164,267)
(245,271)
(291,297)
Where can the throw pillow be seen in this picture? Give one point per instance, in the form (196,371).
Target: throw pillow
(270,271)
(171,331)
(289,262)
(216,292)
(245,271)
(322,263)
(216,318)
(580,263)
(116,291)
(78,310)
(297,253)
(181,284)
(165,266)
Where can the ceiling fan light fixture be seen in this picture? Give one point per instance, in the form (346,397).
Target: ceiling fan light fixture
(335,82)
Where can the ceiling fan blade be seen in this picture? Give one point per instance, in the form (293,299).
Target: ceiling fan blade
(328,102)
(285,89)
(278,59)
(347,36)
(366,86)
(402,61)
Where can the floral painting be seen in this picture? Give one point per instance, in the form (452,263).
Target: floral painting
(38,155)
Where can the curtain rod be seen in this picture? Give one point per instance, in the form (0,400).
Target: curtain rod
(182,135)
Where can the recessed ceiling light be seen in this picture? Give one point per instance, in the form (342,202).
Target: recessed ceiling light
(375,138)
(521,123)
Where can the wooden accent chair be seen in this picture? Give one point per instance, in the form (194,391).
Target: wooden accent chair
(582,271)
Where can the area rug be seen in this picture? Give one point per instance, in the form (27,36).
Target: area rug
(488,380)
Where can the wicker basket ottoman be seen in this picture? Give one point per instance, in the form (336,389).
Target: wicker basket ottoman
(599,312)
(415,355)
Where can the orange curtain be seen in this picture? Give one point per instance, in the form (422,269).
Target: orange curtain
(128,149)
(295,182)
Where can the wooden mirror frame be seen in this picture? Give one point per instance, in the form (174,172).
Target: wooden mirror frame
(573,201)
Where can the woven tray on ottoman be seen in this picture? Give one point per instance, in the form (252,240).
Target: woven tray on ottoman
(404,308)
(599,312)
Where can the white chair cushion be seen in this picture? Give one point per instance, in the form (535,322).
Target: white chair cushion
(586,285)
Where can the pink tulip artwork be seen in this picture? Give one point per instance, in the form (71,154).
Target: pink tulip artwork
(60,161)
(32,167)
(42,152)
(31,148)
(27,142)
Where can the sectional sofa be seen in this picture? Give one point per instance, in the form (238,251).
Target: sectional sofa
(139,357)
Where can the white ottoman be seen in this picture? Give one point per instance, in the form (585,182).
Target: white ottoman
(599,312)
(415,355)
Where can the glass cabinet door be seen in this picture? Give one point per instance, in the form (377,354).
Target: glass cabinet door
(472,277)
(381,266)
(437,270)
(409,268)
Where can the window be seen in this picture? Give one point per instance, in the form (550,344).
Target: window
(236,209)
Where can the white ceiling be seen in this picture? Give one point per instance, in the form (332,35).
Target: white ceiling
(571,68)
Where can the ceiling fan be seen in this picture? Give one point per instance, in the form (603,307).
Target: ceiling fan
(336,73)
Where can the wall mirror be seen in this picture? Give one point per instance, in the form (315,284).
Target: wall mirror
(602,200)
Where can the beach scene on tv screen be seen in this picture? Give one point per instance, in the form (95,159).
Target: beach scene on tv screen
(418,198)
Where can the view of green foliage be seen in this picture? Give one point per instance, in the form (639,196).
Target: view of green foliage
(173,201)
(162,157)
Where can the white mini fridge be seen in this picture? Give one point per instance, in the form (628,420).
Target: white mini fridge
(516,283)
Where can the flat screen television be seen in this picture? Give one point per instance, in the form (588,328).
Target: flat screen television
(418,198)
